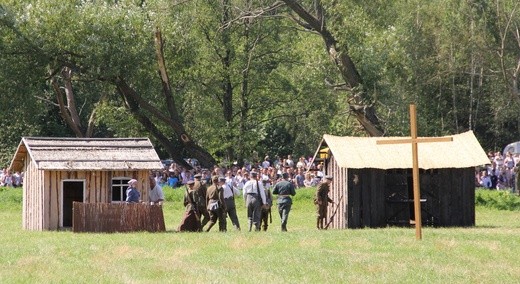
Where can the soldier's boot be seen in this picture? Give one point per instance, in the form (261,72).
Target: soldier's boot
(318,223)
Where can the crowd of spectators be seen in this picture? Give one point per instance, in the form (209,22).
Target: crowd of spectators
(500,173)
(9,179)
(302,173)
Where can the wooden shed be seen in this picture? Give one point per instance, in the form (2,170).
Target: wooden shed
(60,171)
(373,185)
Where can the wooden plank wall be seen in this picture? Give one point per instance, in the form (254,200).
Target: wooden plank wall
(378,199)
(455,190)
(366,202)
(338,193)
(42,192)
(120,217)
(33,208)
(468,195)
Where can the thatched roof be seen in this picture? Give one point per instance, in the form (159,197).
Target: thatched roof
(363,152)
(86,154)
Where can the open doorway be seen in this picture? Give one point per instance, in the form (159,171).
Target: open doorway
(71,191)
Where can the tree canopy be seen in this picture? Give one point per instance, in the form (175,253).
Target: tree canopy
(227,80)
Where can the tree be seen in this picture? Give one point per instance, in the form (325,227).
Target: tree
(360,103)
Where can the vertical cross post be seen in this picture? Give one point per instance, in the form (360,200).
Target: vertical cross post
(415,164)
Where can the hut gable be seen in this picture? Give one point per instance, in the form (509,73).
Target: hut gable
(86,154)
(373,183)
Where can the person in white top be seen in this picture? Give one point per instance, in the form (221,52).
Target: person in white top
(155,195)
(254,195)
(230,192)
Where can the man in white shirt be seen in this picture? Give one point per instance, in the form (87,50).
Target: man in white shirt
(155,195)
(254,195)
(229,198)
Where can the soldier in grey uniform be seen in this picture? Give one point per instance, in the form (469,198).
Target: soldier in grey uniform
(284,189)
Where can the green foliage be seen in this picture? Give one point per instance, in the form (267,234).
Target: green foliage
(497,199)
(440,54)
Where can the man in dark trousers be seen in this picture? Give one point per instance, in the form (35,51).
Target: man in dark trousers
(254,194)
(322,200)
(284,189)
(201,189)
(216,204)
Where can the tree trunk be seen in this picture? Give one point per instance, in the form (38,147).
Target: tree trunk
(360,102)
(185,144)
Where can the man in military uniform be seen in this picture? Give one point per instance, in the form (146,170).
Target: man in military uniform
(201,200)
(322,200)
(284,189)
(216,204)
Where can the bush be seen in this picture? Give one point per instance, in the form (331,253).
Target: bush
(501,200)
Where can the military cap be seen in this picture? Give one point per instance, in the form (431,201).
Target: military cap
(190,182)
(329,177)
(197,176)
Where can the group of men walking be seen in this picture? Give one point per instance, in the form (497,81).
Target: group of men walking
(207,206)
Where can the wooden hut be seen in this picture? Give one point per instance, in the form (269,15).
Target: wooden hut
(60,171)
(373,186)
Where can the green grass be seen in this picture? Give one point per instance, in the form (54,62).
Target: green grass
(487,253)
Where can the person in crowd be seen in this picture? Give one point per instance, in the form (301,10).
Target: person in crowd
(17,179)
(191,219)
(309,180)
(132,194)
(254,195)
(216,204)
(173,179)
(319,171)
(509,162)
(156,194)
(266,164)
(299,178)
(230,192)
(201,189)
(8,179)
(502,181)
(485,180)
(186,176)
(289,162)
(284,189)
(322,200)
(302,164)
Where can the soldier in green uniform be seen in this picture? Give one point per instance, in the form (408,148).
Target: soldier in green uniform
(216,204)
(201,199)
(322,200)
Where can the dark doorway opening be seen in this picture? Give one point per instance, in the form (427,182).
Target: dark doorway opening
(72,191)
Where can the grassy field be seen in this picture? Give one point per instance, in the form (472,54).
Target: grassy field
(487,253)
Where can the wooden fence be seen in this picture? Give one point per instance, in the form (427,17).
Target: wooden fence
(119,217)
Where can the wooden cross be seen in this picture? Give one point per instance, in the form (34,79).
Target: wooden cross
(415,172)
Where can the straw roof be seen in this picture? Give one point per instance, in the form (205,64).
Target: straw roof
(87,154)
(363,152)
